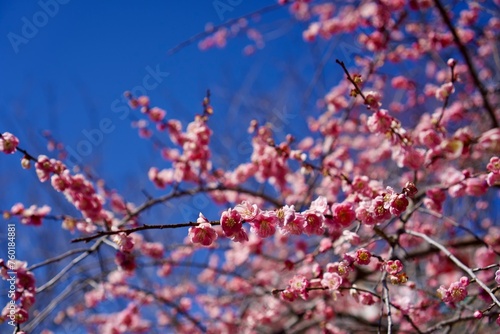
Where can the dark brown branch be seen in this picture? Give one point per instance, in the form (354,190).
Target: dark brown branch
(448,322)
(139,228)
(356,87)
(27,155)
(73,263)
(470,65)
(181,193)
(58,258)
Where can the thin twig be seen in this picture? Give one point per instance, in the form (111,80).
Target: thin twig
(176,194)
(139,228)
(468,60)
(73,263)
(171,304)
(448,322)
(386,296)
(356,87)
(58,258)
(55,302)
(455,260)
(457,225)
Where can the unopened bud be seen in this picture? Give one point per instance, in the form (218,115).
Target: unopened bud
(25,163)
(451,62)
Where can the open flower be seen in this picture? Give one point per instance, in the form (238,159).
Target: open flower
(8,143)
(204,233)
(231,222)
(332,281)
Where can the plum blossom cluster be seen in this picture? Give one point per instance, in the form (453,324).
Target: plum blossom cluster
(336,275)
(24,294)
(269,162)
(131,246)
(127,321)
(378,208)
(219,37)
(395,268)
(298,286)
(192,163)
(455,293)
(265,223)
(458,184)
(29,216)
(124,258)
(319,218)
(155,115)
(124,242)
(77,189)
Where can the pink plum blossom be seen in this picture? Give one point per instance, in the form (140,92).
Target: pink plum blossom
(203,233)
(8,143)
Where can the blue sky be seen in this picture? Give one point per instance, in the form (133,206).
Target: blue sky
(67,76)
